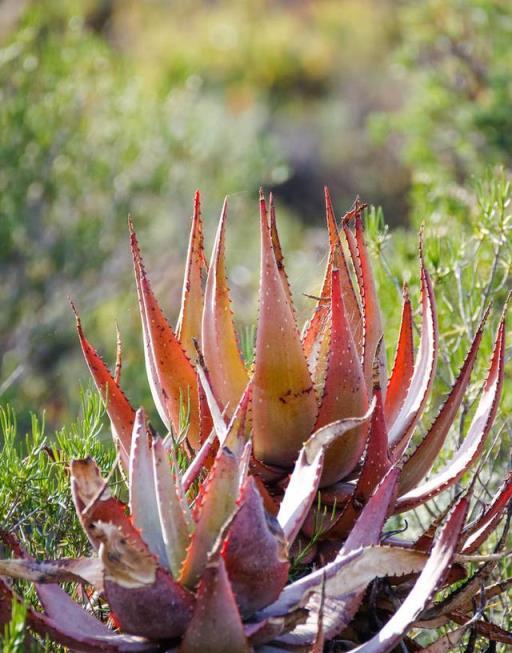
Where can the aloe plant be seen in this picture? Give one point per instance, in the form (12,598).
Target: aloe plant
(300,457)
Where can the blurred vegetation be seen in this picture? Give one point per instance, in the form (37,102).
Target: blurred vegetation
(456,119)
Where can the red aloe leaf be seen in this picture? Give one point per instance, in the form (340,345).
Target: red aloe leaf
(340,608)
(477,532)
(344,393)
(215,504)
(78,570)
(315,330)
(160,610)
(171,375)
(278,252)
(119,409)
(143,493)
(93,501)
(220,344)
(81,640)
(197,464)
(284,402)
(376,465)
(239,427)
(403,365)
(175,519)
(428,581)
(424,371)
(351,302)
(255,553)
(474,442)
(372,324)
(346,575)
(188,327)
(126,561)
(305,479)
(58,605)
(421,460)
(368,528)
(462,596)
(66,621)
(217,415)
(216,625)
(269,629)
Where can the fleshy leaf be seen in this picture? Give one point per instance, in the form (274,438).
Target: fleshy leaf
(160,610)
(424,371)
(188,327)
(372,327)
(119,409)
(276,244)
(477,532)
(143,492)
(317,329)
(172,378)
(93,501)
(255,553)
(368,528)
(220,344)
(78,570)
(421,460)
(216,625)
(344,393)
(72,626)
(473,444)
(305,479)
(284,402)
(348,574)
(215,504)
(175,520)
(433,572)
(375,466)
(403,365)
(350,300)
(127,562)
(339,608)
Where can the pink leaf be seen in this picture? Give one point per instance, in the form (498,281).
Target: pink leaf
(430,578)
(255,553)
(284,402)
(474,442)
(305,479)
(403,365)
(216,625)
(421,460)
(424,371)
(220,344)
(172,378)
(188,328)
(119,409)
(344,393)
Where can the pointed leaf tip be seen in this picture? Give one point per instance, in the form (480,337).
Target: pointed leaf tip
(284,402)
(171,376)
(226,368)
(192,299)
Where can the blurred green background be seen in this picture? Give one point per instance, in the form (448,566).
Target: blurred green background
(110,107)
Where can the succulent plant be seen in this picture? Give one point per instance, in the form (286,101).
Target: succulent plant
(257,522)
